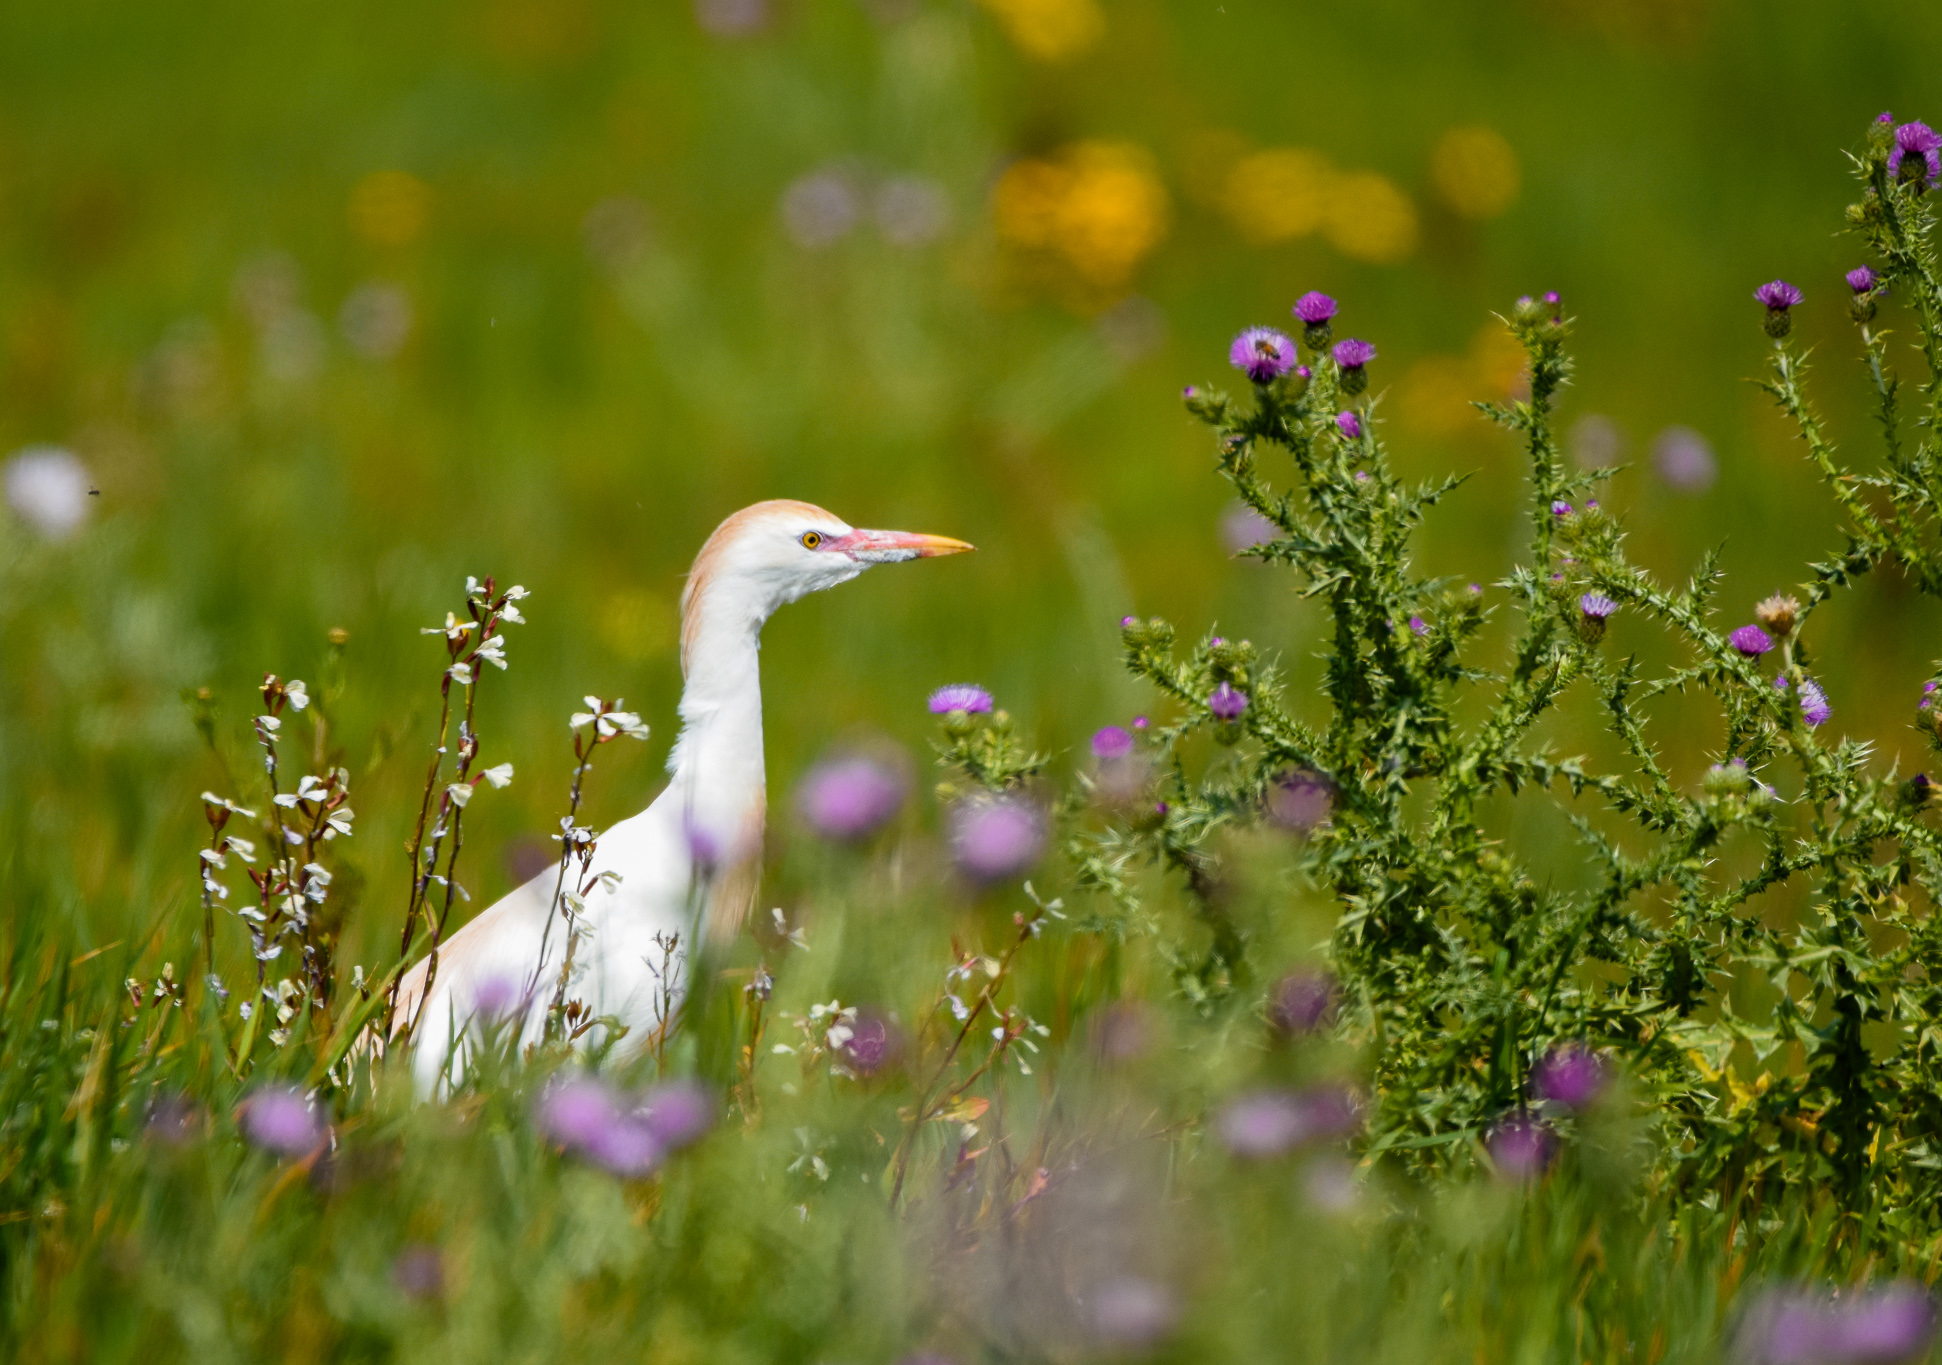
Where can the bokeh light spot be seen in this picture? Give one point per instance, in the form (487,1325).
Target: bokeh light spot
(390,208)
(1475,172)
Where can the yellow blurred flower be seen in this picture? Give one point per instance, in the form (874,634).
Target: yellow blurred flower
(1435,396)
(636,624)
(1475,172)
(1097,206)
(1370,219)
(1050,30)
(390,208)
(1280,194)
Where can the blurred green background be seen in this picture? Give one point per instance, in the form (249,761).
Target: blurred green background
(338,304)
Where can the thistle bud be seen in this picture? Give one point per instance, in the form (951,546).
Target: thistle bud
(1727,779)
(1778,296)
(1917,790)
(1778,614)
(1209,405)
(1594,608)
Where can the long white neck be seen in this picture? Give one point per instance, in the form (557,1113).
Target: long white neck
(717,761)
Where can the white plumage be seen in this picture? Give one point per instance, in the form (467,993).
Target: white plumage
(687,863)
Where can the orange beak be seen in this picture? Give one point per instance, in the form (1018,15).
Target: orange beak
(892,547)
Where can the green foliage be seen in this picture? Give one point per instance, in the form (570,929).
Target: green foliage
(1758,950)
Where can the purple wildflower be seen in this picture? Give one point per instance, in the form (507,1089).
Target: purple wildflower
(996,840)
(1301,800)
(1303,372)
(1872,1327)
(1596,605)
(1920,141)
(419,1273)
(1353,354)
(1884,117)
(1314,307)
(1552,297)
(676,1113)
(279,1118)
(1571,1076)
(1778,296)
(959,697)
(1128,622)
(576,1111)
(1750,641)
(1861,279)
(1111,743)
(1349,425)
(1304,1001)
(1684,459)
(626,1146)
(1813,703)
(873,1044)
(1140,722)
(1521,1147)
(1226,703)
(1561,508)
(1263,353)
(1130,1311)
(1242,528)
(849,798)
(1263,1124)
(1419,626)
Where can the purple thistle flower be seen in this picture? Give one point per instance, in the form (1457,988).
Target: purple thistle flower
(1551,297)
(1242,528)
(1895,1322)
(1571,1076)
(419,1272)
(1596,605)
(1561,508)
(1778,295)
(1521,1147)
(576,1111)
(1419,626)
(1304,1001)
(1873,1327)
(625,1146)
(1130,1311)
(849,798)
(1353,354)
(959,697)
(997,839)
(1111,743)
(1262,353)
(1263,1124)
(1128,622)
(1861,279)
(1813,703)
(872,1045)
(1303,372)
(676,1113)
(1750,641)
(1226,703)
(1920,141)
(1314,307)
(280,1118)
(1140,722)
(1349,425)
(1884,117)
(1301,801)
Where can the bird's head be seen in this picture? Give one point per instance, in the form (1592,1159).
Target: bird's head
(770,554)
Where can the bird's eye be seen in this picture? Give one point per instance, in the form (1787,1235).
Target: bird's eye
(811,539)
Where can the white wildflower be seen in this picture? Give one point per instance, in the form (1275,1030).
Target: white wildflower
(461,674)
(296,694)
(460,792)
(493,651)
(48,488)
(498,775)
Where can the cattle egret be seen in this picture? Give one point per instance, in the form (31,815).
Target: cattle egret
(687,864)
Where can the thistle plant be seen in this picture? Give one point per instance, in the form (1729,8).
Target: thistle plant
(1465,974)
